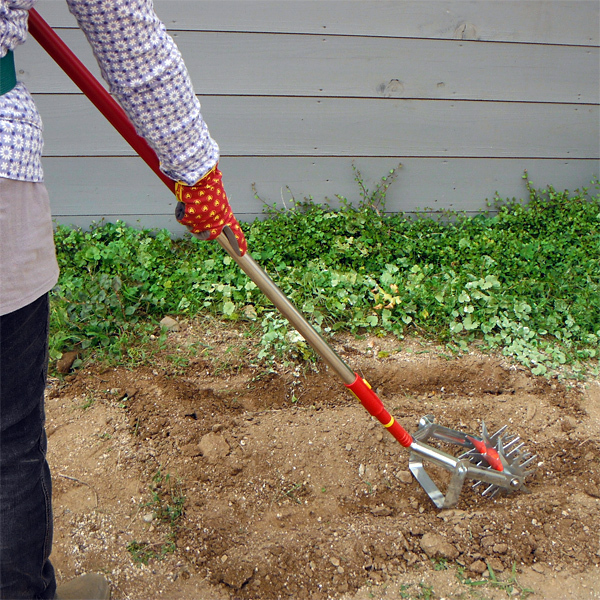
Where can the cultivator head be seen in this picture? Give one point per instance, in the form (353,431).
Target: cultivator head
(495,462)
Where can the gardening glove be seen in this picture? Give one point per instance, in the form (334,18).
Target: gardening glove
(204,209)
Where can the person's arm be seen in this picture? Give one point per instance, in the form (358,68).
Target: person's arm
(147,75)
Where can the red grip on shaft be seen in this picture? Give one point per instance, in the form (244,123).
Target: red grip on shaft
(370,400)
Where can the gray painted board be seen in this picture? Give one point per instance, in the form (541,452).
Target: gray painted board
(292,65)
(125,188)
(539,21)
(350,127)
(293,90)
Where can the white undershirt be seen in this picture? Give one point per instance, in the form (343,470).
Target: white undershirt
(28,266)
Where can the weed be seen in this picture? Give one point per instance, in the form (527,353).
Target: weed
(523,279)
(511,586)
(404,590)
(440,564)
(88,402)
(143,552)
(426,592)
(167,499)
(295,492)
(180,363)
(374,200)
(167,503)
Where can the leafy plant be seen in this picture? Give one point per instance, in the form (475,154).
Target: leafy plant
(167,502)
(440,564)
(511,585)
(373,199)
(523,279)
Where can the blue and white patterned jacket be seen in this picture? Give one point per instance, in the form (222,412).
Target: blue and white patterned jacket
(145,72)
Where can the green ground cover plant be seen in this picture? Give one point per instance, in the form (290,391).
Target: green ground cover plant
(523,279)
(167,505)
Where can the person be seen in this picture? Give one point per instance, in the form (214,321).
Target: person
(146,73)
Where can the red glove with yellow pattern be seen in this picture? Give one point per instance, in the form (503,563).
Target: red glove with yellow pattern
(204,209)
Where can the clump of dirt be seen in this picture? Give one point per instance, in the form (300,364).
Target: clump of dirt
(206,477)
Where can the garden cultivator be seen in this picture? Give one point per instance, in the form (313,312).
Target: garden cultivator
(493,463)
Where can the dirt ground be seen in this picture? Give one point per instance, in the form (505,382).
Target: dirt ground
(205,477)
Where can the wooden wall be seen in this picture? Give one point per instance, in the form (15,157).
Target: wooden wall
(466,94)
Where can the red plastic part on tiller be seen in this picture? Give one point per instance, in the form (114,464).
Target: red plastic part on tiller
(370,400)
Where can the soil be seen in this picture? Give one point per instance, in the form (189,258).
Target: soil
(205,476)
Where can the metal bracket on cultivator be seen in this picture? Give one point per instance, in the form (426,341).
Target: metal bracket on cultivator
(498,461)
(494,460)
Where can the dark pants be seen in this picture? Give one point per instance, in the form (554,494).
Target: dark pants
(25,488)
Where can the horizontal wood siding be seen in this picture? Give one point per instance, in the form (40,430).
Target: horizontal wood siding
(122,187)
(349,127)
(571,22)
(283,65)
(466,94)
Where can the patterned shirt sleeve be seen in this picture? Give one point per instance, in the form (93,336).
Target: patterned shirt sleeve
(146,73)
(20,124)
(13,23)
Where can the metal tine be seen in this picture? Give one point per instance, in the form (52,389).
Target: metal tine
(510,441)
(529,460)
(479,461)
(474,456)
(495,492)
(499,433)
(509,445)
(514,451)
(527,463)
(488,489)
(523,460)
(479,482)
(524,464)
(524,455)
(471,454)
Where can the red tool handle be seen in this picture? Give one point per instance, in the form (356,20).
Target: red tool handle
(97,94)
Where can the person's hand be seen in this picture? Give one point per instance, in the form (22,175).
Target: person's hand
(204,209)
